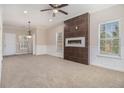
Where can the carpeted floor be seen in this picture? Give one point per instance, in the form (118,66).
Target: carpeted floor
(27,71)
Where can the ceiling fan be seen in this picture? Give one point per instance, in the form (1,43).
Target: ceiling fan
(56,8)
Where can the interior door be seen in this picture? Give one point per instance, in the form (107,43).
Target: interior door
(9,44)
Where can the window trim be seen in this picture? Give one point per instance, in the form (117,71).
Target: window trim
(109,55)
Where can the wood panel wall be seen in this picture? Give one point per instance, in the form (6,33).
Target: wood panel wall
(77,54)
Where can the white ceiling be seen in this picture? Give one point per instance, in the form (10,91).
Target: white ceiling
(13,13)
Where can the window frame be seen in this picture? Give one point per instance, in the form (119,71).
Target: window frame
(99,40)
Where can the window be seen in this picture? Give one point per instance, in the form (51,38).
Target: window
(23,42)
(109,39)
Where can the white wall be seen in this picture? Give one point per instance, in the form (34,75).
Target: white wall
(0,41)
(113,13)
(40,41)
(39,38)
(18,31)
(51,40)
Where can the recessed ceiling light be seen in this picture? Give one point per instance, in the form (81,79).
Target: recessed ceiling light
(50,20)
(25,12)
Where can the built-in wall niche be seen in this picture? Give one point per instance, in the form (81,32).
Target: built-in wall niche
(75,42)
(59,41)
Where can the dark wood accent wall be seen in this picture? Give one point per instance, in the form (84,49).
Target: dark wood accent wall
(77,54)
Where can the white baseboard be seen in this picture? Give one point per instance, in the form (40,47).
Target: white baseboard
(41,49)
(23,53)
(51,50)
(108,67)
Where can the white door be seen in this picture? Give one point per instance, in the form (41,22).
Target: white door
(9,44)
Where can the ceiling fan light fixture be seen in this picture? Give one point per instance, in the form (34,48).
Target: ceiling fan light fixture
(55,10)
(50,20)
(25,12)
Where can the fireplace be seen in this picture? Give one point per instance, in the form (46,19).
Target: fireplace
(75,42)
(76,39)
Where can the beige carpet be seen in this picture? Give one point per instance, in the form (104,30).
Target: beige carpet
(27,71)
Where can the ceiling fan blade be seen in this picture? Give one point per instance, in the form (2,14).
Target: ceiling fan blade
(63,12)
(62,5)
(52,5)
(54,14)
(45,10)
